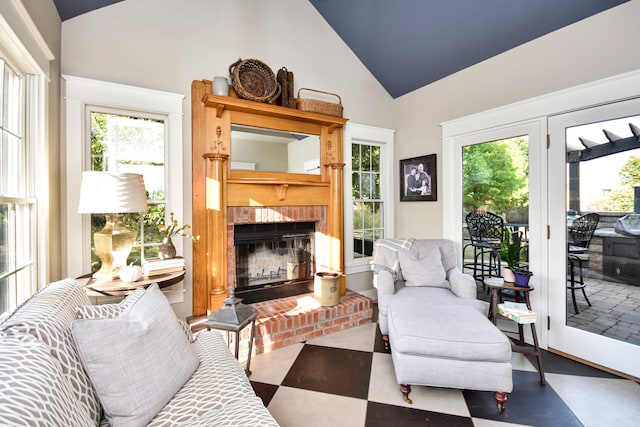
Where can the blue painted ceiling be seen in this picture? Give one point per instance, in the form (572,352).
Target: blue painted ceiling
(407,44)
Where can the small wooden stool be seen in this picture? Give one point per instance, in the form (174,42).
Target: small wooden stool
(496,284)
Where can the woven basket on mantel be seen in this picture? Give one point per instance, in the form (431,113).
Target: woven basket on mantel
(252,79)
(319,106)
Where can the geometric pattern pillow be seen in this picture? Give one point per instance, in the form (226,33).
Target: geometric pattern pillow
(138,361)
(423,269)
(47,316)
(108,311)
(33,390)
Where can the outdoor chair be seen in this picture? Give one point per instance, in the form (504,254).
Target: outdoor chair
(579,235)
(485,231)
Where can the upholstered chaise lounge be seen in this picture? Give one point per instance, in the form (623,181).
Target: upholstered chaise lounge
(438,331)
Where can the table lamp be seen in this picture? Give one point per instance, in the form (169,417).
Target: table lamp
(112,194)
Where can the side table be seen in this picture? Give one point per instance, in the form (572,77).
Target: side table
(234,316)
(496,284)
(117,287)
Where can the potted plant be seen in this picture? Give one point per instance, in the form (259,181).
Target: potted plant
(167,250)
(522,276)
(509,253)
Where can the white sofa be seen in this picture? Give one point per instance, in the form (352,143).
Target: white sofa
(44,380)
(438,330)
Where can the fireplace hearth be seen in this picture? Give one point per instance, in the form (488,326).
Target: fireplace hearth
(273,260)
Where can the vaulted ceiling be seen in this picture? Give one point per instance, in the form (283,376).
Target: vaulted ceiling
(407,44)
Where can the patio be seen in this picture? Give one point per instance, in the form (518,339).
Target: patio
(614,311)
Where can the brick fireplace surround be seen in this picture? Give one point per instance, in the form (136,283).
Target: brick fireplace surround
(290,320)
(285,321)
(274,214)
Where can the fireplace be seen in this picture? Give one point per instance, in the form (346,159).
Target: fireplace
(273,260)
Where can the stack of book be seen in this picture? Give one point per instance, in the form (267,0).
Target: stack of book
(157,266)
(518,312)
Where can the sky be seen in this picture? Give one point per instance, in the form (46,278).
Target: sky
(601,174)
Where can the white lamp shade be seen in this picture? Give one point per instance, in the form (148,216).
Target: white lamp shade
(107,192)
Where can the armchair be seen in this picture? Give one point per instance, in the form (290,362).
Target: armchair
(438,331)
(389,281)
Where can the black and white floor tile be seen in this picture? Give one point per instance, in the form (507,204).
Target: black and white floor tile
(347,379)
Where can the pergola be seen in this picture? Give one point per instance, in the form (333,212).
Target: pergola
(594,150)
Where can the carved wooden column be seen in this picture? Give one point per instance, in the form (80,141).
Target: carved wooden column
(210,153)
(335,209)
(216,229)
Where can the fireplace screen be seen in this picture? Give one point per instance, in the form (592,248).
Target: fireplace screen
(273,260)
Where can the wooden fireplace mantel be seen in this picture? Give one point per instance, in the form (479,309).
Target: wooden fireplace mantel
(216,187)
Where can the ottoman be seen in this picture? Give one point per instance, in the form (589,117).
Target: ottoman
(453,346)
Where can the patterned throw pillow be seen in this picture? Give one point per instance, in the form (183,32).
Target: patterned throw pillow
(33,390)
(116,354)
(108,311)
(47,316)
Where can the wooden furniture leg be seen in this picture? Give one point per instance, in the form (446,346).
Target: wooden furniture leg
(406,389)
(385,339)
(501,398)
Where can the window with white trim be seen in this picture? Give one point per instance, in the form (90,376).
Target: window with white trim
(368,192)
(120,128)
(131,142)
(18,268)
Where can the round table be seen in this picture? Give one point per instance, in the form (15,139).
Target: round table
(117,287)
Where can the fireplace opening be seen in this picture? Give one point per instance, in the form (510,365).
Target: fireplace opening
(273,260)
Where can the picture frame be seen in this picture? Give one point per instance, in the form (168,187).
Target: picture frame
(424,186)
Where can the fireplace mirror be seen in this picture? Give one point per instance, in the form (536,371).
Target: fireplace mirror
(269,150)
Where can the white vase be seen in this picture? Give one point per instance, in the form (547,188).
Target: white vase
(220,86)
(507,275)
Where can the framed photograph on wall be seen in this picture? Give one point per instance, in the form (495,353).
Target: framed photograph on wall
(418,179)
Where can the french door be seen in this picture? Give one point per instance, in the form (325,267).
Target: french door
(485,163)
(593,166)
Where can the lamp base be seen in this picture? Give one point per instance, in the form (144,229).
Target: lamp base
(113,245)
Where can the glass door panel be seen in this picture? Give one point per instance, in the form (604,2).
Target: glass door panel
(495,181)
(595,253)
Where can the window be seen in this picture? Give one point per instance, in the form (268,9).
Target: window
(368,192)
(368,224)
(24,170)
(122,142)
(113,127)
(17,207)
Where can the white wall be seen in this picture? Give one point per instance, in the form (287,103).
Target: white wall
(598,47)
(303,155)
(166,44)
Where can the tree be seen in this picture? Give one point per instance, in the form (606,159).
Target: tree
(621,198)
(496,175)
(630,172)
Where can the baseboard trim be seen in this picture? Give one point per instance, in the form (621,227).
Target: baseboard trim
(369,293)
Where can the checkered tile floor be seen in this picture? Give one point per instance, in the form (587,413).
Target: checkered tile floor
(347,379)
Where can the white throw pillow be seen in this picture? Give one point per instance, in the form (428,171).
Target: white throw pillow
(423,269)
(137,361)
